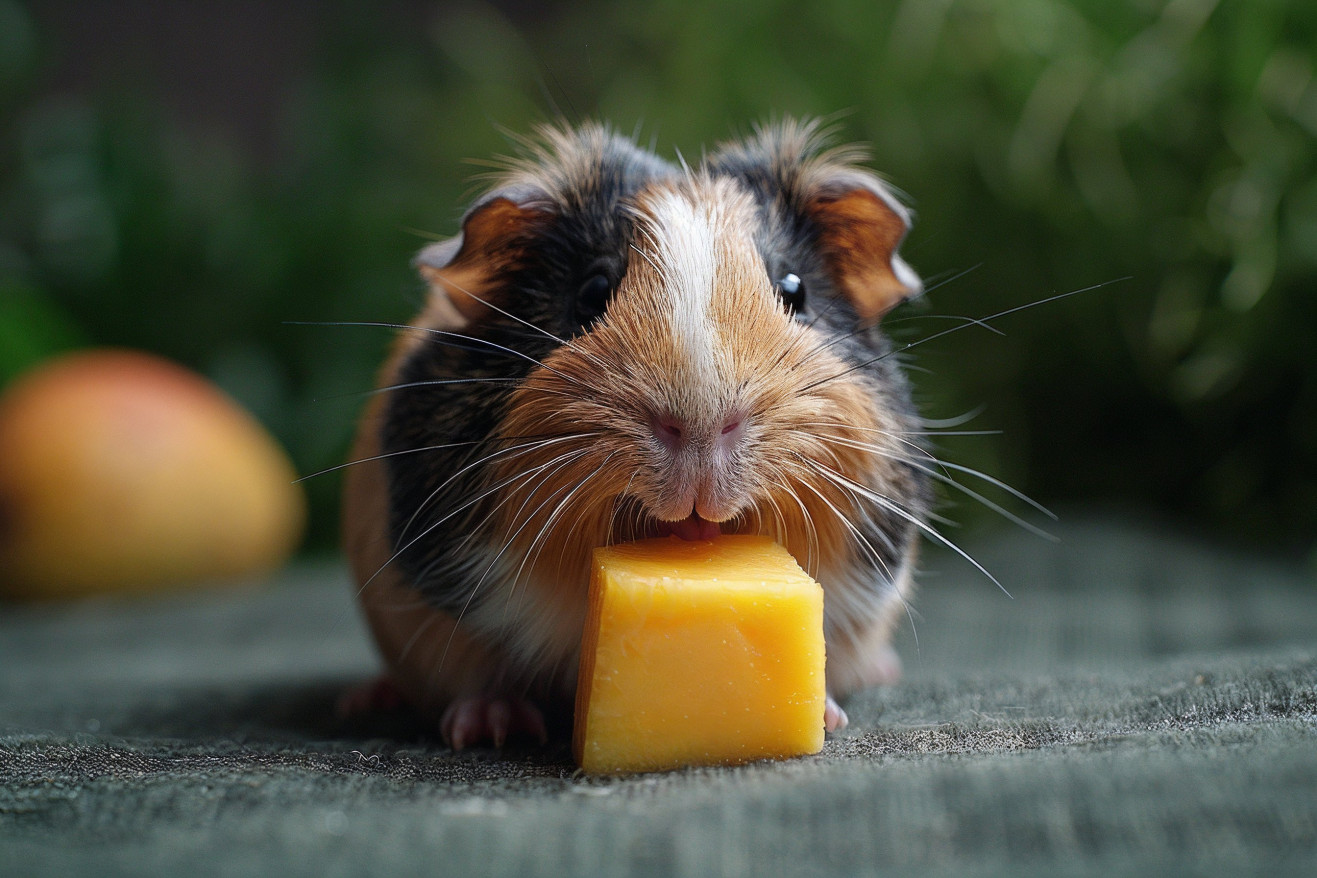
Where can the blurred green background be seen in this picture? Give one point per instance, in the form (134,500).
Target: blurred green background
(189,177)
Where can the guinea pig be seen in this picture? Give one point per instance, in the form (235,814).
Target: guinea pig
(617,347)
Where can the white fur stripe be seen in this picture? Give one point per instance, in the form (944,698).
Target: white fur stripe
(685,238)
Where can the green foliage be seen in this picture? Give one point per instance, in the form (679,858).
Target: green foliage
(1047,145)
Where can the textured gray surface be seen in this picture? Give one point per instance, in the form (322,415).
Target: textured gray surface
(1142,705)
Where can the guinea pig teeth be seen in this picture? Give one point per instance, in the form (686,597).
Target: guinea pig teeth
(693,528)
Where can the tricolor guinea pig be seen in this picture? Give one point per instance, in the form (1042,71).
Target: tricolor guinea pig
(617,347)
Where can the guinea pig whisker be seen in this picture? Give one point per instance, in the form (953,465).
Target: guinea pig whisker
(508,539)
(956,421)
(429,622)
(901,512)
(365,394)
(874,555)
(376,457)
(828,379)
(745,524)
(864,328)
(476,529)
(545,472)
(536,442)
(926,462)
(777,527)
(484,349)
(491,306)
(414,384)
(813,547)
(932,468)
(641,520)
(897,433)
(973,321)
(990,504)
(617,507)
(569,538)
(444,336)
(936,432)
(931,461)
(504,545)
(831,340)
(662,272)
(540,540)
(428,569)
(779,524)
(862,512)
(438,382)
(541,537)
(982,321)
(995,482)
(790,349)
(514,451)
(946,278)
(539,329)
(781,531)
(435,524)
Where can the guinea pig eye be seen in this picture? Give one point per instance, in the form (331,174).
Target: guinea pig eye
(791,290)
(592,298)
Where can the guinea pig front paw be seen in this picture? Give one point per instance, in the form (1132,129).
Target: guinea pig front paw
(493,718)
(834,718)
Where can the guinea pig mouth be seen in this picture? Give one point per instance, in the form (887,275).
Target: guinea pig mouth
(691,528)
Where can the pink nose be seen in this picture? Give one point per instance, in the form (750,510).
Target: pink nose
(676,433)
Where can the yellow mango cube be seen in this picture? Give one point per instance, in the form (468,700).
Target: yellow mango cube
(698,653)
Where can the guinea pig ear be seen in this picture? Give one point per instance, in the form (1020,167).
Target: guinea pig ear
(860,228)
(468,270)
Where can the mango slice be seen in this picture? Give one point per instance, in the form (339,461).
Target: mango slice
(699,653)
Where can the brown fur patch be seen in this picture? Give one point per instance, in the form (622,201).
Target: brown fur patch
(494,238)
(859,235)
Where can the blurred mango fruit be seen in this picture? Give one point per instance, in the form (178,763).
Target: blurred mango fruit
(121,472)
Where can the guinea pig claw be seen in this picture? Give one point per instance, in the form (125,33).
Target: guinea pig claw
(479,718)
(499,717)
(834,718)
(459,723)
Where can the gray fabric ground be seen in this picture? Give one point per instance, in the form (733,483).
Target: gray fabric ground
(1141,706)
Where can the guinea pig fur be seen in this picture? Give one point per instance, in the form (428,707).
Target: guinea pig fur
(617,347)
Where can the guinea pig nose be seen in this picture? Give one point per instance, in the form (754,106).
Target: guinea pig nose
(670,430)
(676,433)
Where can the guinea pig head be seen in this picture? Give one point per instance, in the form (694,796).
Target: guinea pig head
(708,397)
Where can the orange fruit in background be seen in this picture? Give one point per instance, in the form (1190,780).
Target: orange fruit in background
(123,472)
